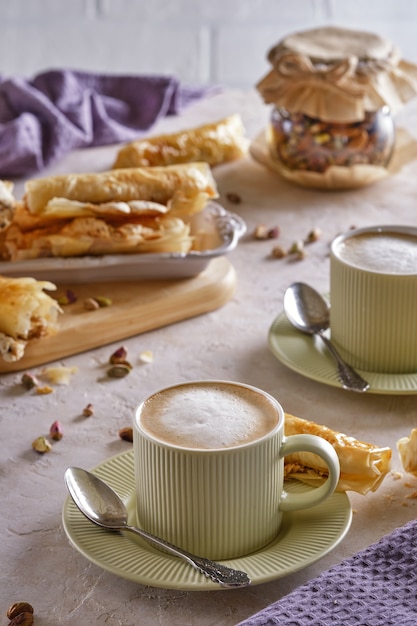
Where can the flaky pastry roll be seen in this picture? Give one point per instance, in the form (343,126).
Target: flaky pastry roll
(407,450)
(7,204)
(184,189)
(363,466)
(91,236)
(26,312)
(132,210)
(214,143)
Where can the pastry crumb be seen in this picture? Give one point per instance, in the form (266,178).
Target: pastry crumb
(146,356)
(59,375)
(396,475)
(42,391)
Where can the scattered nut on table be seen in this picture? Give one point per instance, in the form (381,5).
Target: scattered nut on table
(233,198)
(88,410)
(41,445)
(264,232)
(29,381)
(56,432)
(19,607)
(297,249)
(126,433)
(120,370)
(119,356)
(260,232)
(313,235)
(278,252)
(274,232)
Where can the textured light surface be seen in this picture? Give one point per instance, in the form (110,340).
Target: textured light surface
(38,562)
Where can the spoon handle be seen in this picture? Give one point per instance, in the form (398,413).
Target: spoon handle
(349,378)
(224,576)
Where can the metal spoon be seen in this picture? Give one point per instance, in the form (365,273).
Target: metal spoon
(101,505)
(309,312)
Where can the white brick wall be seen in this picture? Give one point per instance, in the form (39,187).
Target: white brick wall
(200,41)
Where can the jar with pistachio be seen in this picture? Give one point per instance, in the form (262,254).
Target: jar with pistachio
(334,93)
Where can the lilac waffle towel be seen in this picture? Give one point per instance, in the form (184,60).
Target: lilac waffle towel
(376,587)
(57,111)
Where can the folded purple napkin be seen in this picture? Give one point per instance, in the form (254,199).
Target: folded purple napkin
(44,118)
(376,587)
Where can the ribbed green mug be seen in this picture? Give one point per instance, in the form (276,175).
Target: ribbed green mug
(373,298)
(209,467)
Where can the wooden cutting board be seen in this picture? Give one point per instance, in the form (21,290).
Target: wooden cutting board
(136,307)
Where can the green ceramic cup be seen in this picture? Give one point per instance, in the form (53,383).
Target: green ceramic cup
(373,295)
(209,467)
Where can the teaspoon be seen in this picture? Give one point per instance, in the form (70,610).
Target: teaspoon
(307,311)
(101,505)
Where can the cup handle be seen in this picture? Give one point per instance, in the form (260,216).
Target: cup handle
(317,445)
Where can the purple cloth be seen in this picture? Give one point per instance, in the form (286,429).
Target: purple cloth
(376,587)
(44,118)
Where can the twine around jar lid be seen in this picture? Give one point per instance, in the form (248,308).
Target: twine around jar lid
(336,74)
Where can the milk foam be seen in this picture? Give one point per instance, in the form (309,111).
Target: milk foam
(209,416)
(387,252)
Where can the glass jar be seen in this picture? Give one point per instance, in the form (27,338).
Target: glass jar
(299,142)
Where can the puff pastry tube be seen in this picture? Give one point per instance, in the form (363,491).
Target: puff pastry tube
(114,212)
(363,466)
(214,143)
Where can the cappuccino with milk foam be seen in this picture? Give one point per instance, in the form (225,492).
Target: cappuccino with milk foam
(207,416)
(388,252)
